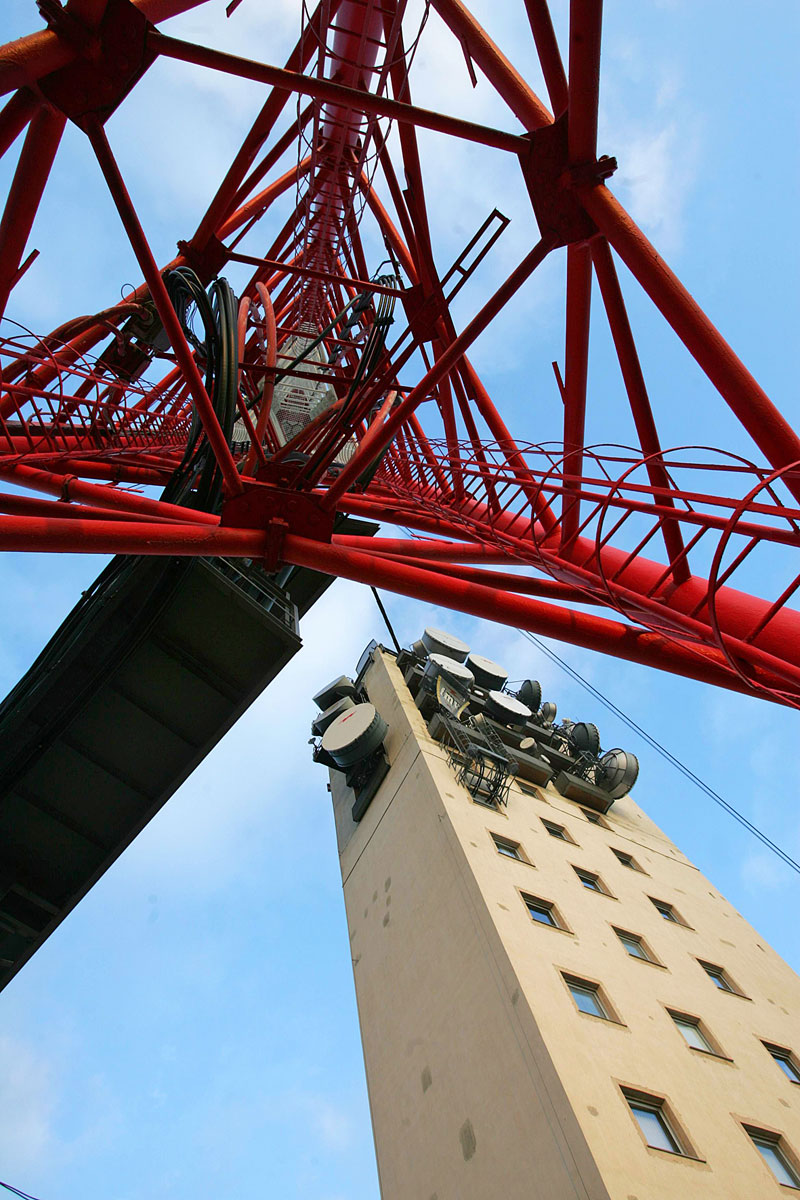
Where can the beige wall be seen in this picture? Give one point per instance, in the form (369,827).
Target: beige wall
(484,1079)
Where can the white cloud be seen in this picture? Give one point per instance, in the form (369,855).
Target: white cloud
(647,122)
(657,171)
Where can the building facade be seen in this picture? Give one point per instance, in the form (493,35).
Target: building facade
(554,1002)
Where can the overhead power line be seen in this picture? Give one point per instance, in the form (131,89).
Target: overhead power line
(16,1191)
(665,753)
(385,616)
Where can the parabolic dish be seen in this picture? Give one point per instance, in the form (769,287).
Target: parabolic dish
(531,694)
(436,641)
(620,771)
(507,709)
(441,664)
(327,718)
(333,691)
(487,674)
(585,737)
(354,734)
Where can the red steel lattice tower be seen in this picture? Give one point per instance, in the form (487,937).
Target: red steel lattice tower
(188,421)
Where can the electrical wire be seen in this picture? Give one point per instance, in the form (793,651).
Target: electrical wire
(385,616)
(666,754)
(16,1191)
(312,345)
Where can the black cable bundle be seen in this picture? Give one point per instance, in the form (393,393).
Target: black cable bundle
(198,481)
(376,338)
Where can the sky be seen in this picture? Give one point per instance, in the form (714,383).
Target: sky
(191,1030)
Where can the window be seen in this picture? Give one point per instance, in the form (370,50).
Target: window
(486,801)
(655,1124)
(785,1060)
(772,1149)
(720,977)
(594,817)
(507,847)
(543,911)
(556,831)
(587,997)
(626,859)
(635,945)
(692,1032)
(590,881)
(667,911)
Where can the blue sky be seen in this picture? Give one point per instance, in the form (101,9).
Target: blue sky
(191,1028)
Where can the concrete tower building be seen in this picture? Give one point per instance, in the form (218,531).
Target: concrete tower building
(554,1002)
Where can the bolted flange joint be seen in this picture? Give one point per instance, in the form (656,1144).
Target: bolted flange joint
(552,180)
(110,60)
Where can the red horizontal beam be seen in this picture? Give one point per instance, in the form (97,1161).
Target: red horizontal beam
(30,506)
(59,536)
(324,89)
(567,625)
(596,633)
(634,583)
(364,285)
(420,548)
(67,487)
(505,581)
(116,469)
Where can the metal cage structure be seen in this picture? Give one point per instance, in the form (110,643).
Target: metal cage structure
(189,421)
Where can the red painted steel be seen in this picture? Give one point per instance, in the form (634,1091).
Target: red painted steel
(316,406)
(30,177)
(549,54)
(585,21)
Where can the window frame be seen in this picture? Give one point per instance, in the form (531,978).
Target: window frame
(595,818)
(608,1013)
(631,865)
(712,1047)
(674,918)
(519,854)
(648,956)
(636,1097)
(600,889)
(783,1053)
(544,905)
(493,805)
(783,1150)
(715,971)
(559,832)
